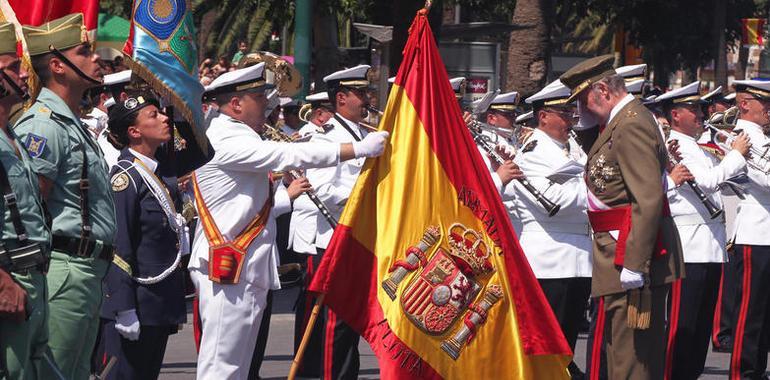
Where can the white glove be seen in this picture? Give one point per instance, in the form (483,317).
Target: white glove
(630,279)
(372,145)
(127,324)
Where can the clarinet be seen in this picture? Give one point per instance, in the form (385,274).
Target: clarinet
(274,134)
(713,210)
(549,206)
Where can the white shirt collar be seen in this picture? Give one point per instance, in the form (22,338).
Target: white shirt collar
(622,103)
(97,113)
(745,124)
(676,135)
(561,145)
(147,161)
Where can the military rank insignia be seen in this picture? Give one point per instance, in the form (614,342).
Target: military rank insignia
(529,147)
(449,284)
(35,145)
(119,182)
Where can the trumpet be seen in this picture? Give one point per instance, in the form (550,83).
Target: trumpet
(369,109)
(274,134)
(475,128)
(759,158)
(712,209)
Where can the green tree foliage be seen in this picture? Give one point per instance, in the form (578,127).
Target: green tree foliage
(673,34)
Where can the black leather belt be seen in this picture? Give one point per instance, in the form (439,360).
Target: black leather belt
(22,259)
(82,248)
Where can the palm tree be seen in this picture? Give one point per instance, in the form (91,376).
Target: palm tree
(223,23)
(529,48)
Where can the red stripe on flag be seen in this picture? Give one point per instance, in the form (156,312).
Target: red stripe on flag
(358,305)
(331,322)
(428,89)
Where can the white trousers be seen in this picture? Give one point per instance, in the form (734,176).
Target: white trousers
(230,317)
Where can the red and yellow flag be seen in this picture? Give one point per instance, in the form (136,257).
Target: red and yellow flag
(424,263)
(753,29)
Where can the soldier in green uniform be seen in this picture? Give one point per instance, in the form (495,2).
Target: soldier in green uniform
(636,247)
(25,244)
(75,183)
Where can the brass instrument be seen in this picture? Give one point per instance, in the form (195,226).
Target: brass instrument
(274,134)
(280,72)
(722,125)
(375,111)
(305,112)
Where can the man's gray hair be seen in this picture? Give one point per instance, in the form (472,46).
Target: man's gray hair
(615,83)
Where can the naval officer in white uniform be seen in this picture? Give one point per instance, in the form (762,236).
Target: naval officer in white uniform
(703,237)
(234,198)
(558,248)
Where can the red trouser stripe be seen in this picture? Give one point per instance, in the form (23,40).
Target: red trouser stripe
(596,350)
(715,328)
(197,328)
(676,296)
(331,322)
(735,362)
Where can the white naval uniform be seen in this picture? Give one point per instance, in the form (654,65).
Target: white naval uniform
(302,227)
(334,184)
(235,185)
(558,246)
(753,217)
(97,120)
(703,238)
(310,129)
(507,193)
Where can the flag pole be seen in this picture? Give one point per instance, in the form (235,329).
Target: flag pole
(306,337)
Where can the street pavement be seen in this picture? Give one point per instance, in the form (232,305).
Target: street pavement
(179,363)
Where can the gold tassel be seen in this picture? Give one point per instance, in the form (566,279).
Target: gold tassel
(645,313)
(632,299)
(639,308)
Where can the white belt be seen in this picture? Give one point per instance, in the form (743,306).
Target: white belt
(557,227)
(697,219)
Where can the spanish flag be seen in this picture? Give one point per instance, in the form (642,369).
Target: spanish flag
(424,263)
(752,31)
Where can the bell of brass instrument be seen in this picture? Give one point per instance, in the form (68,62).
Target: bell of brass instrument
(722,125)
(724,120)
(305,112)
(280,72)
(273,134)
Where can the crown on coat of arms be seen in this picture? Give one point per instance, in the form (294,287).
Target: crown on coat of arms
(469,250)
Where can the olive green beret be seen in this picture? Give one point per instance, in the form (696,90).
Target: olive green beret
(586,73)
(7,38)
(62,33)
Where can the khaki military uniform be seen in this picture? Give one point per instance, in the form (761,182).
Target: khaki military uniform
(625,167)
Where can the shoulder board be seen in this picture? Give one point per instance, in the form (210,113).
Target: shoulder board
(530,146)
(325,128)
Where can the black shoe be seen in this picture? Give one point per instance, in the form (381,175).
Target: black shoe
(575,372)
(724,345)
